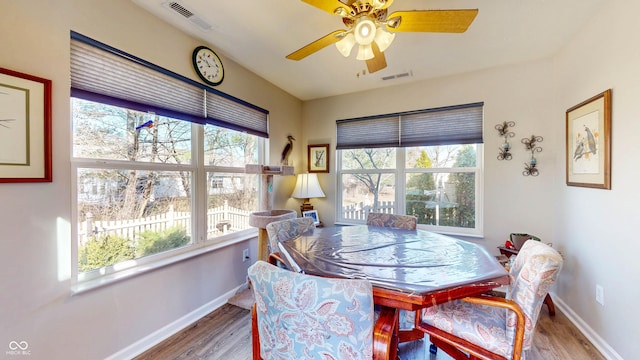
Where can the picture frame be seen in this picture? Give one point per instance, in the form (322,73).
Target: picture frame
(318,158)
(25,128)
(312,214)
(588,143)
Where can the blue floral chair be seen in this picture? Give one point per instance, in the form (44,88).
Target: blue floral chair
(491,327)
(298,316)
(282,230)
(406,222)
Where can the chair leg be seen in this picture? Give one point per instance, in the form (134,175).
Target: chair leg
(550,305)
(255,337)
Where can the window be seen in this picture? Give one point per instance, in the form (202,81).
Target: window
(424,163)
(155,178)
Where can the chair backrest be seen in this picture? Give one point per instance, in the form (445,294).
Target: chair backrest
(308,317)
(518,239)
(406,222)
(287,229)
(532,274)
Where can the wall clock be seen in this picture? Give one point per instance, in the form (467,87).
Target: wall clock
(208,65)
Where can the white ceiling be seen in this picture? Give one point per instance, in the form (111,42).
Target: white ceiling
(258,34)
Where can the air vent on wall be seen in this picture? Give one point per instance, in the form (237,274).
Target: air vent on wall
(186,13)
(398,76)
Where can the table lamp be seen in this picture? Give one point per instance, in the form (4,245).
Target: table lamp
(307,186)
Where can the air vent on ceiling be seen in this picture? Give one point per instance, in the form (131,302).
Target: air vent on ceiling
(188,14)
(398,76)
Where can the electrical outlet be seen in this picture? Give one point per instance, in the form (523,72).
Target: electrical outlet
(245,255)
(600,294)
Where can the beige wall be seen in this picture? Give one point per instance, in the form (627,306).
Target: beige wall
(35,219)
(597,227)
(514,93)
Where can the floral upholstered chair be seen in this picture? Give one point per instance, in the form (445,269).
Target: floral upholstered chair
(406,222)
(284,230)
(497,328)
(287,229)
(298,316)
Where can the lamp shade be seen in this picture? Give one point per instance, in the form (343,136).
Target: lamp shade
(346,44)
(365,52)
(307,186)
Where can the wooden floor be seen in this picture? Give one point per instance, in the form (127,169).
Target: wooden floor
(226,334)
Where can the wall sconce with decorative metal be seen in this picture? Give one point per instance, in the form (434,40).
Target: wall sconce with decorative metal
(503,130)
(530,144)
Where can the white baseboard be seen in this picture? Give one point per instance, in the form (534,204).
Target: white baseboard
(165,332)
(605,349)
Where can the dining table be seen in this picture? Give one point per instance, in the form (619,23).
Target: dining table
(408,269)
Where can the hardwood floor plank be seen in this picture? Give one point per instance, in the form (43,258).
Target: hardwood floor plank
(226,334)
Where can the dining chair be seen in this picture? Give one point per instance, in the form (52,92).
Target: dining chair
(518,239)
(282,230)
(299,316)
(487,327)
(406,222)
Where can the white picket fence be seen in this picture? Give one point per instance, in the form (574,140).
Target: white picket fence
(360,211)
(221,220)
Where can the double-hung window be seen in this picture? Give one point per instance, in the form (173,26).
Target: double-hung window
(425,163)
(158,162)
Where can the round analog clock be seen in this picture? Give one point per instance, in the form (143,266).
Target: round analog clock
(207,65)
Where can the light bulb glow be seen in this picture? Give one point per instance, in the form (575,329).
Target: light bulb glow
(365,31)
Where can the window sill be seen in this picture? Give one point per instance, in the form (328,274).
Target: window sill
(88,285)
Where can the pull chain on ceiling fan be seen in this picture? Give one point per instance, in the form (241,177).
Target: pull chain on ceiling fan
(370,29)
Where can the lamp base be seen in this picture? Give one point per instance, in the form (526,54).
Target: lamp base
(306,206)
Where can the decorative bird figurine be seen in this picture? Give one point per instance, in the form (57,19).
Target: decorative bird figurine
(284,160)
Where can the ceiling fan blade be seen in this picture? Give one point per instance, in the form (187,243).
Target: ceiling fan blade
(329,6)
(449,21)
(378,62)
(316,45)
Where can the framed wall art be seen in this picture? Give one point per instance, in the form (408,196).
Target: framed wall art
(25,128)
(318,158)
(588,152)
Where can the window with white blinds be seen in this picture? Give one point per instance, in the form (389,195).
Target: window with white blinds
(105,74)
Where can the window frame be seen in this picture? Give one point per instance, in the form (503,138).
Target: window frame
(200,243)
(400,172)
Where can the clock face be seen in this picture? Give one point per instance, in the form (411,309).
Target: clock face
(208,65)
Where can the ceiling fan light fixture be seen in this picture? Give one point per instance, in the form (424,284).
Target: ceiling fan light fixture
(378,4)
(346,44)
(365,52)
(365,31)
(383,38)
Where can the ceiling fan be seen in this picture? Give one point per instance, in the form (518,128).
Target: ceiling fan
(370,28)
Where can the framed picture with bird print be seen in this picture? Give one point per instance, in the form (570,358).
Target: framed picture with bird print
(318,158)
(589,142)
